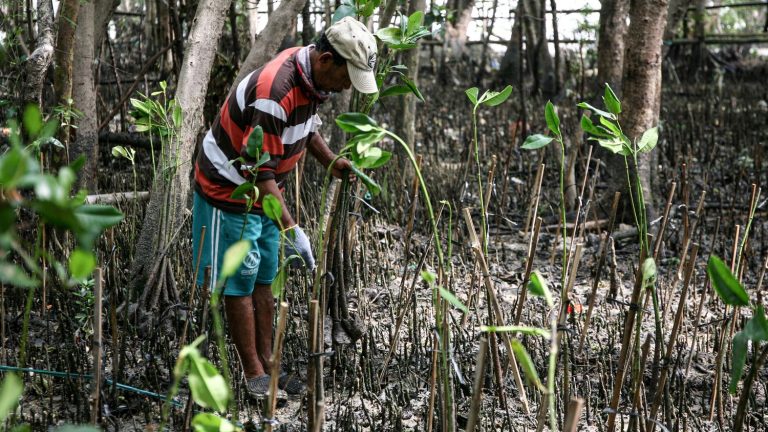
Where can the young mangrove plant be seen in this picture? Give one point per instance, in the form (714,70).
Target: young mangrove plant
(609,135)
(490,99)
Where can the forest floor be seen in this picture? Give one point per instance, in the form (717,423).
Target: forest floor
(720,136)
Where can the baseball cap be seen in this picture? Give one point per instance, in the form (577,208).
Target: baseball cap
(352,40)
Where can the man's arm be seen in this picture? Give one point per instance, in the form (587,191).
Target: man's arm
(319,149)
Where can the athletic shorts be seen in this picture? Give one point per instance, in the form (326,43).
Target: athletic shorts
(223,229)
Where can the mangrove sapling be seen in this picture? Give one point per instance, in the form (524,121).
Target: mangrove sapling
(538,287)
(24,185)
(490,99)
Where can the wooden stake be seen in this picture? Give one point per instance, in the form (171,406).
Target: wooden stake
(533,207)
(277,353)
(574,413)
(98,290)
(477,387)
(523,290)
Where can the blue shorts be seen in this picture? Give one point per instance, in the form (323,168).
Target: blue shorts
(224,229)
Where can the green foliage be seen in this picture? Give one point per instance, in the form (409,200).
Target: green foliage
(611,101)
(524,359)
(526,330)
(124,152)
(10,393)
(725,283)
(538,286)
(648,270)
(536,141)
(452,299)
(405,35)
(206,422)
(361,149)
(81,263)
(209,388)
(489,98)
(234,257)
(553,121)
(272,208)
(756,331)
(255,142)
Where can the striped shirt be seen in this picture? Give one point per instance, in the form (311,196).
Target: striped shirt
(281,98)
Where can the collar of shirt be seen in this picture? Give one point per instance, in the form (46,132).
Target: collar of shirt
(304,66)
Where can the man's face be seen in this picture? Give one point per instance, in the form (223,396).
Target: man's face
(330,77)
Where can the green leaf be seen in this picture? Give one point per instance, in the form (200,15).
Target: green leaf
(244,191)
(209,389)
(649,271)
(611,126)
(369,183)
(355,122)
(272,208)
(77,428)
(726,286)
(611,101)
(452,299)
(177,115)
(648,140)
(32,120)
(590,128)
(207,422)
(48,131)
(526,330)
(415,90)
(278,284)
(428,276)
(390,35)
(525,361)
(395,90)
(119,151)
(79,163)
(13,166)
(141,106)
(472,94)
(538,286)
(14,275)
(81,263)
(414,22)
(614,145)
(343,11)
(372,163)
(553,121)
(536,141)
(98,216)
(596,111)
(255,142)
(756,330)
(498,98)
(10,393)
(234,257)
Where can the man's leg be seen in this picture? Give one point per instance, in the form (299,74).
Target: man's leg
(239,310)
(264,314)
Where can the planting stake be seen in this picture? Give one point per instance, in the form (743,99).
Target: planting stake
(673,336)
(690,233)
(98,290)
(660,235)
(578,206)
(528,268)
(599,270)
(432,382)
(277,352)
(636,394)
(574,412)
(477,386)
(493,302)
(629,323)
(533,206)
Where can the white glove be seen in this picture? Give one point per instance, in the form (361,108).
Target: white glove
(298,244)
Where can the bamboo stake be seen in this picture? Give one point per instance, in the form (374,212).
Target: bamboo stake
(689,234)
(477,387)
(629,325)
(523,291)
(660,236)
(432,383)
(574,413)
(636,398)
(598,272)
(533,208)
(673,336)
(277,353)
(493,302)
(98,289)
(312,406)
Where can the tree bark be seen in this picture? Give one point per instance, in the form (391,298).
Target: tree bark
(65,37)
(270,38)
(84,97)
(40,59)
(190,95)
(510,63)
(610,48)
(456,31)
(642,80)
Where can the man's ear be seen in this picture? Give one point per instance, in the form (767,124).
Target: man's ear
(325,58)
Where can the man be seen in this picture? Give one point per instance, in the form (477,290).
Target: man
(282,97)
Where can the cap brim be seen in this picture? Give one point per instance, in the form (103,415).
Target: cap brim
(364,81)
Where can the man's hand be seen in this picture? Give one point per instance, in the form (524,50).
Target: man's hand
(343,167)
(298,244)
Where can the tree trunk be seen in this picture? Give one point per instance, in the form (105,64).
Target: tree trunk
(278,26)
(252,12)
(190,95)
(40,59)
(610,63)
(510,63)
(67,19)
(84,96)
(642,80)
(456,31)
